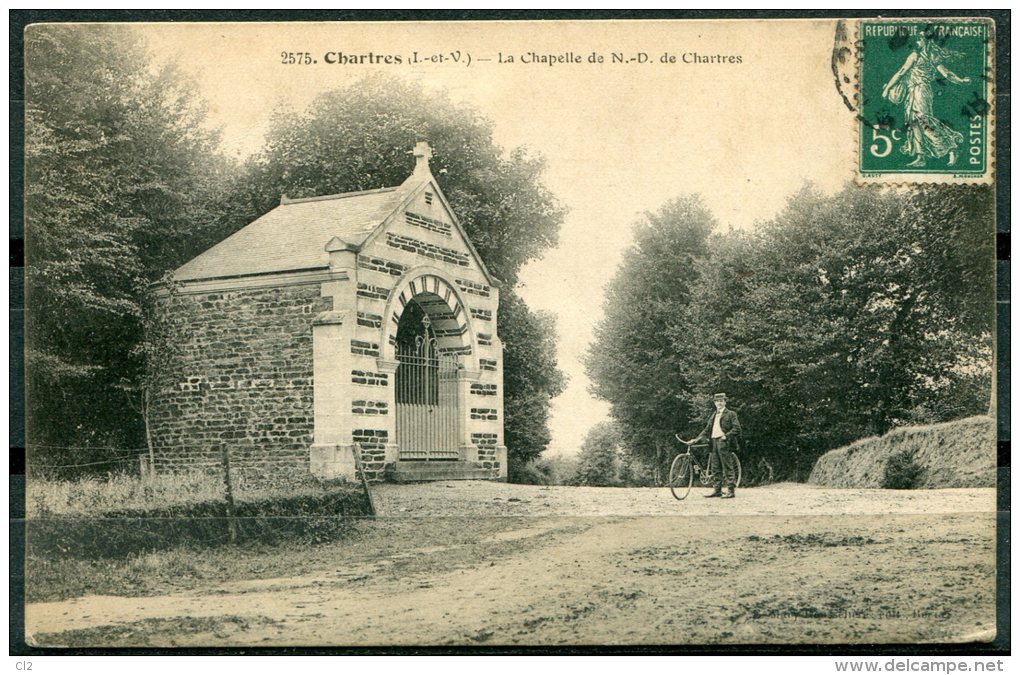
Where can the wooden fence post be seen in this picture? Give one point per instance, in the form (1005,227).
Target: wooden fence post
(148,474)
(359,467)
(229,490)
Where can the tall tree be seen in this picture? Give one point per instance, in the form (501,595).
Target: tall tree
(530,379)
(633,362)
(119,165)
(599,460)
(359,137)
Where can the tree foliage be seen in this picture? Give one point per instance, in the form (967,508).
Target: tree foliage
(531,379)
(842,317)
(599,460)
(360,138)
(119,166)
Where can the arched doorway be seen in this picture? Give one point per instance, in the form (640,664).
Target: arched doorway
(427,405)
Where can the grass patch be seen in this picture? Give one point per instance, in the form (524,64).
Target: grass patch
(953,454)
(309,517)
(89,496)
(49,578)
(125,515)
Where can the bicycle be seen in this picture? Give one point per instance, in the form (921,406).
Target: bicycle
(685,465)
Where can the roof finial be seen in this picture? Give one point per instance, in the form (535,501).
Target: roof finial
(422,154)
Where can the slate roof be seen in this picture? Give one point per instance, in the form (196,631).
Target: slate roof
(293,236)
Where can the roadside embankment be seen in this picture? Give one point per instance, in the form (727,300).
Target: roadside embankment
(960,453)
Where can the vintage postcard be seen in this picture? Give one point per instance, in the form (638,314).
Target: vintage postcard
(511,334)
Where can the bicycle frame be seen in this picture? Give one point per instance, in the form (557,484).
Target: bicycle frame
(704,474)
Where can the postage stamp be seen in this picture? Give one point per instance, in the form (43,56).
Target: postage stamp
(925,101)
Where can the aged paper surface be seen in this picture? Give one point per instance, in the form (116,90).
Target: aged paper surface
(627,115)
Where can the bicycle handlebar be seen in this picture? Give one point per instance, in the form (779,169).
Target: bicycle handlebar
(690,443)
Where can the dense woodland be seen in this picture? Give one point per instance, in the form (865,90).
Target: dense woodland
(842,317)
(126,181)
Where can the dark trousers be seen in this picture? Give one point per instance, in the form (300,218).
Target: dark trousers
(721,464)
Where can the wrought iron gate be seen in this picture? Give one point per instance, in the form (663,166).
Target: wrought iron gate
(427,406)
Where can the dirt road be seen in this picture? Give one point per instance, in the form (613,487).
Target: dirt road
(490,564)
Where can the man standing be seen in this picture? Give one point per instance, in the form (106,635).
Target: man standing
(723,429)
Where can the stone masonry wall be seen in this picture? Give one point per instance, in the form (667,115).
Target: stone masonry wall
(486,444)
(373,451)
(244,377)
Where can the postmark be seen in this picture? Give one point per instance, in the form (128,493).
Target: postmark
(925,101)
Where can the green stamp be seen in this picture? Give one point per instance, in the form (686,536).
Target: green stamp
(925,100)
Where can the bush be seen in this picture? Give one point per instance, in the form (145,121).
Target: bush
(756,471)
(902,472)
(529,474)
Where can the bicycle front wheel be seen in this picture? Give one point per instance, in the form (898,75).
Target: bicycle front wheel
(736,469)
(681,476)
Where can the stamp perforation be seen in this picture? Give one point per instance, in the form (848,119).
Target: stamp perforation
(932,138)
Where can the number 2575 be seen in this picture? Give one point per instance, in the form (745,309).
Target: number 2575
(296,58)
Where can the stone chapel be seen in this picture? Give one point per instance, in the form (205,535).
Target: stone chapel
(362,322)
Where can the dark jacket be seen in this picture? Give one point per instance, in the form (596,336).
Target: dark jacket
(730,425)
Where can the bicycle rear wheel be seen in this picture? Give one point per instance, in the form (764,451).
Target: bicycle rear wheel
(736,470)
(681,476)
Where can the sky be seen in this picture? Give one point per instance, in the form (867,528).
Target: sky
(750,117)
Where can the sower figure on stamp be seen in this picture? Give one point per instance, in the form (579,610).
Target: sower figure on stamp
(723,429)
(911,86)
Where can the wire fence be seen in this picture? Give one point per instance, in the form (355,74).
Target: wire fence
(88,447)
(193,473)
(33,464)
(43,460)
(210,504)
